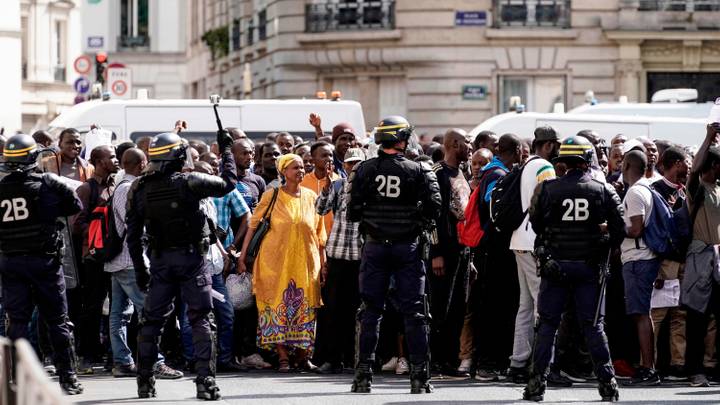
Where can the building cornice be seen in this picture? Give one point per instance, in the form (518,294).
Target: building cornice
(641,36)
(530,34)
(355,36)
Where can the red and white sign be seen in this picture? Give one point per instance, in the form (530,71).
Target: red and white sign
(82,64)
(119,82)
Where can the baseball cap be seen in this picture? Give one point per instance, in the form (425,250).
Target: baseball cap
(354,155)
(341,128)
(546,133)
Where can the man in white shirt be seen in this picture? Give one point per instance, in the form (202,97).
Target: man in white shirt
(538,169)
(640,264)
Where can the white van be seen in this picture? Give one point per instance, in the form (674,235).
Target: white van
(132,119)
(684,131)
(681,110)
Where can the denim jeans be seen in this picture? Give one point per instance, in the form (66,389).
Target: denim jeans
(224,317)
(126,295)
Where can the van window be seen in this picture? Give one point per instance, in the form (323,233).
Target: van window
(209,137)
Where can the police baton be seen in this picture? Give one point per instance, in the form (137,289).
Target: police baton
(604,274)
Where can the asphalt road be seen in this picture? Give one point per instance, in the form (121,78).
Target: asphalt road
(272,388)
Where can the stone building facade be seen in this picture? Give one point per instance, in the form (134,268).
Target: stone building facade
(453,63)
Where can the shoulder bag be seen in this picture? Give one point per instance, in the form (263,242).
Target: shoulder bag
(262,229)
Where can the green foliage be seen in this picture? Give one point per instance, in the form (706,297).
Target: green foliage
(218,40)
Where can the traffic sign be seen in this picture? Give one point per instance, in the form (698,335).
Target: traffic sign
(82,85)
(119,82)
(82,64)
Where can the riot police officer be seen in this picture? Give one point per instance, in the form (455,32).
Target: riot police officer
(577,220)
(394,199)
(164,204)
(31,251)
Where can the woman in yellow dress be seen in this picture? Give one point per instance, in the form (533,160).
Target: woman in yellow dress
(288,266)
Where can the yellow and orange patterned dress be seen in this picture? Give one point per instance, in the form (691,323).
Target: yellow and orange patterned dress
(286,273)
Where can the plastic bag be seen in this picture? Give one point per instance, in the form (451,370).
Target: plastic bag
(239,288)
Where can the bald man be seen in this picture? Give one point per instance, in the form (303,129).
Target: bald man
(640,264)
(446,253)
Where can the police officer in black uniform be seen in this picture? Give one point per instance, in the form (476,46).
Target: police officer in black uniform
(577,220)
(394,199)
(164,206)
(31,251)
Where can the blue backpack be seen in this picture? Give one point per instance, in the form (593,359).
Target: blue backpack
(667,232)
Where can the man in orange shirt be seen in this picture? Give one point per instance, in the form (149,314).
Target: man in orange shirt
(322,156)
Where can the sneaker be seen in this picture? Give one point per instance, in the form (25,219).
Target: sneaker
(699,380)
(231,367)
(391,365)
(485,375)
(162,371)
(124,370)
(465,366)
(330,368)
(645,377)
(676,373)
(403,367)
(558,379)
(573,376)
(518,375)
(49,366)
(255,361)
(85,368)
(623,369)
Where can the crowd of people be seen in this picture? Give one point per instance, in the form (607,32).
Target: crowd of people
(660,308)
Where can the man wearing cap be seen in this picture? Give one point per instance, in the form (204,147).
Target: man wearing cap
(343,138)
(545,146)
(343,263)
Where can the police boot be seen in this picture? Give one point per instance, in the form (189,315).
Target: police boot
(609,390)
(146,386)
(363,379)
(535,388)
(207,389)
(70,384)
(420,379)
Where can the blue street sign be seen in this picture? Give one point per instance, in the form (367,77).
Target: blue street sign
(470,18)
(82,85)
(474,92)
(95,42)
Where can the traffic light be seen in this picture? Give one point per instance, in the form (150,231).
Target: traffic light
(100,66)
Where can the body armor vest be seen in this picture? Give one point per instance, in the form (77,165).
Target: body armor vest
(576,212)
(392,210)
(172,219)
(22,228)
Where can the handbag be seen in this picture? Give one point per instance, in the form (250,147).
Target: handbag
(262,229)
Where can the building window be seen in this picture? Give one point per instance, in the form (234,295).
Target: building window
(679,5)
(236,34)
(349,15)
(532,13)
(262,25)
(59,52)
(250,32)
(133,24)
(538,93)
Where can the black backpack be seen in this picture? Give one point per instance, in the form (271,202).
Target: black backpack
(506,211)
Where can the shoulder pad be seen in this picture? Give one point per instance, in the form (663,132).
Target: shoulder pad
(50,179)
(425,167)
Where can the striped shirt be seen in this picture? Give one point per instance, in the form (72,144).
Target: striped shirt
(231,205)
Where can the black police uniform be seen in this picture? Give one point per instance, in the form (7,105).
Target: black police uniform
(566,214)
(31,252)
(164,204)
(394,199)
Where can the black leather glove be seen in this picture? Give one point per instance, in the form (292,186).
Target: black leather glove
(142,279)
(224,139)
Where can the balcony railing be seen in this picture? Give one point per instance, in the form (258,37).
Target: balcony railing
(347,15)
(532,13)
(133,42)
(689,6)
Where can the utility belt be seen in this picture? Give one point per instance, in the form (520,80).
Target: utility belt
(201,247)
(410,239)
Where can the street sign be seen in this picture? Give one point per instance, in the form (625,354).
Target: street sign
(470,18)
(474,92)
(82,64)
(82,85)
(95,42)
(119,82)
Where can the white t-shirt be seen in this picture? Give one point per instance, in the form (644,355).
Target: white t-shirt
(638,201)
(536,171)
